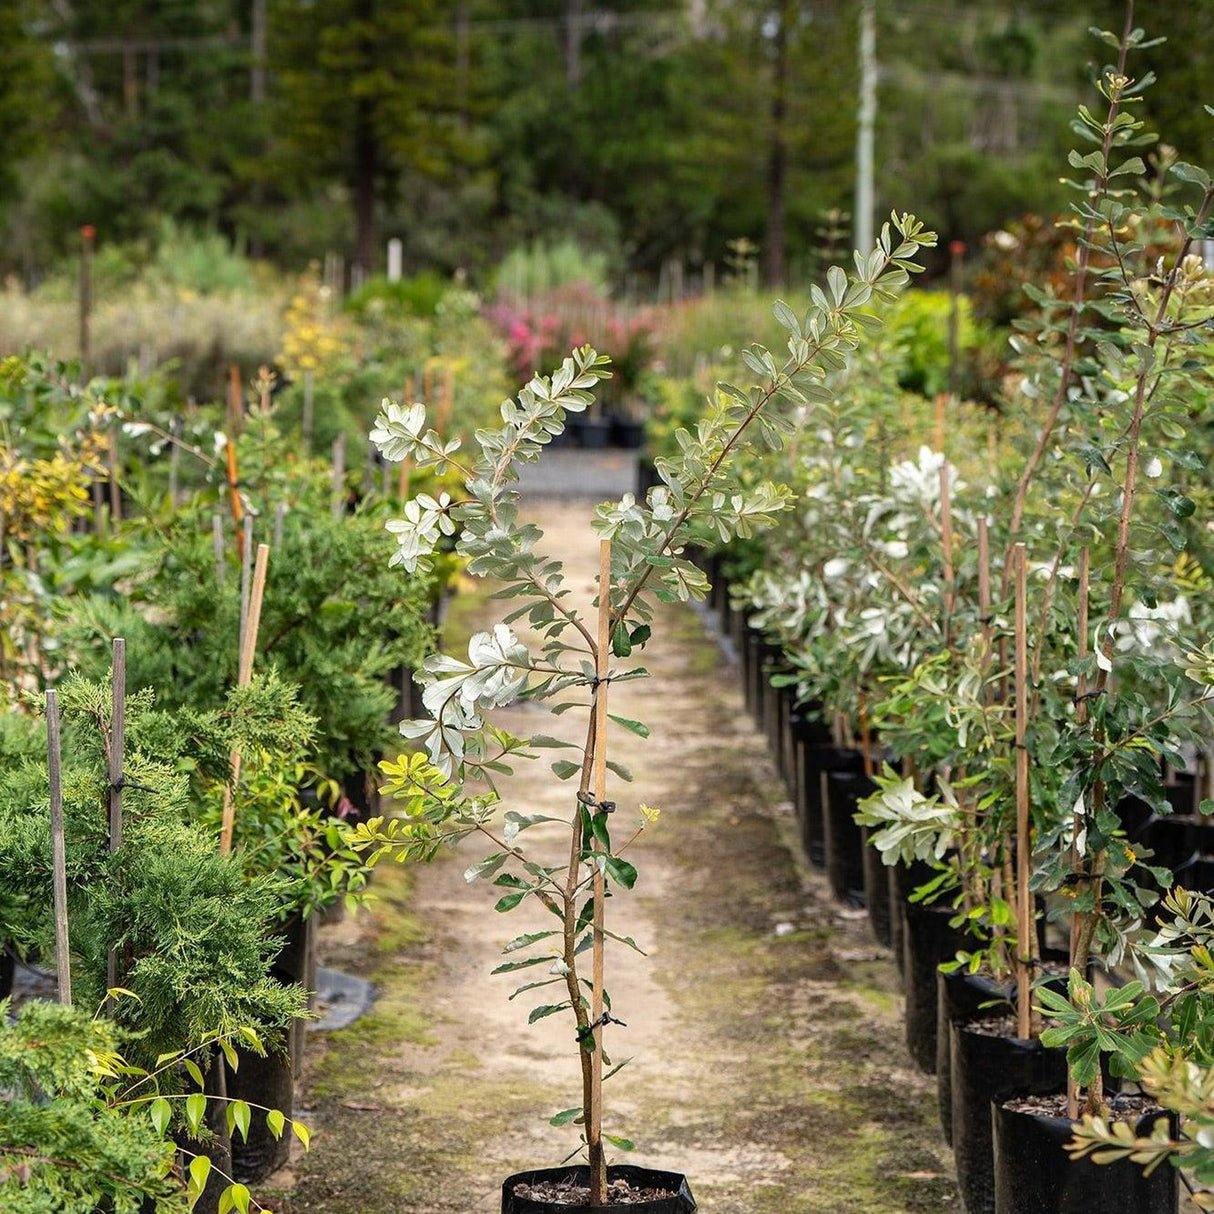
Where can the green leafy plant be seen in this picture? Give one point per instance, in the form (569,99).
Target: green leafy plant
(643,560)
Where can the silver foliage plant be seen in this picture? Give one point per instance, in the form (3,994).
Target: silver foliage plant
(445,788)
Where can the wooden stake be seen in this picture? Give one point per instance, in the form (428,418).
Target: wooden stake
(111,459)
(984,581)
(235,400)
(1081,716)
(175,462)
(63,952)
(946,538)
(866,748)
(941,402)
(1024,897)
(234,486)
(244,673)
(339,476)
(116,770)
(446,401)
(594,1118)
(246,573)
(217,541)
(307,410)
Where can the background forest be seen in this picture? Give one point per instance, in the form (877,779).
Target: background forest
(649,130)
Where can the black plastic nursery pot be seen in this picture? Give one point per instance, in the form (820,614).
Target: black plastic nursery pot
(593,434)
(876,892)
(1034,1174)
(681,1202)
(927,940)
(647,476)
(8,971)
(843,840)
(960,998)
(270,1081)
(990,1067)
(626,433)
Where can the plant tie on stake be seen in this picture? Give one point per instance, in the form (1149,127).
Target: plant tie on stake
(586,1033)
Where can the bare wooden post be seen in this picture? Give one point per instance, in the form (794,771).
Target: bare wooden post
(956,250)
(111,459)
(1081,716)
(1024,898)
(63,952)
(307,410)
(116,765)
(88,234)
(246,573)
(175,462)
(941,417)
(946,539)
(446,401)
(339,475)
(984,582)
(217,542)
(594,1115)
(244,673)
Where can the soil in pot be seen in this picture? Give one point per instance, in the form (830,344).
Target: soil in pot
(927,939)
(1034,1174)
(960,998)
(990,1064)
(844,844)
(631,1190)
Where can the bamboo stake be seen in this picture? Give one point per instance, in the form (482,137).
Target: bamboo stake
(235,403)
(63,953)
(116,770)
(1024,898)
(594,1118)
(244,673)
(217,542)
(941,402)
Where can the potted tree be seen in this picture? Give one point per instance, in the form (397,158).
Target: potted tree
(446,788)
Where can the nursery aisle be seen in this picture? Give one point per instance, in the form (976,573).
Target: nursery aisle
(764,1028)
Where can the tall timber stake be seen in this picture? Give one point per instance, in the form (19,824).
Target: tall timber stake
(117,749)
(54,756)
(1024,897)
(248,647)
(594,1116)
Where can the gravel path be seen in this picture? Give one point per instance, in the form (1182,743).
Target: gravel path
(764,1026)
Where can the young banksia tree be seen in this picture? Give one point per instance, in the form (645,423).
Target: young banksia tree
(446,788)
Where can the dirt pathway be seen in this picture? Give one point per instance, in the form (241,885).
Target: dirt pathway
(764,1025)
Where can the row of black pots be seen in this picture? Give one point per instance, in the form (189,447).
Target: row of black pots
(599,433)
(1009,1160)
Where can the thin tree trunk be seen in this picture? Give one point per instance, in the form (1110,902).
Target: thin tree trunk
(777,157)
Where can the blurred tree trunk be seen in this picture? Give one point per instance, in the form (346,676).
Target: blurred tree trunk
(777,156)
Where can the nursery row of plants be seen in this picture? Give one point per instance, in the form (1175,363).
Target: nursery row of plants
(226,647)
(979,643)
(977,635)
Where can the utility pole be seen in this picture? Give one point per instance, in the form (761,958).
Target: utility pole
(864,128)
